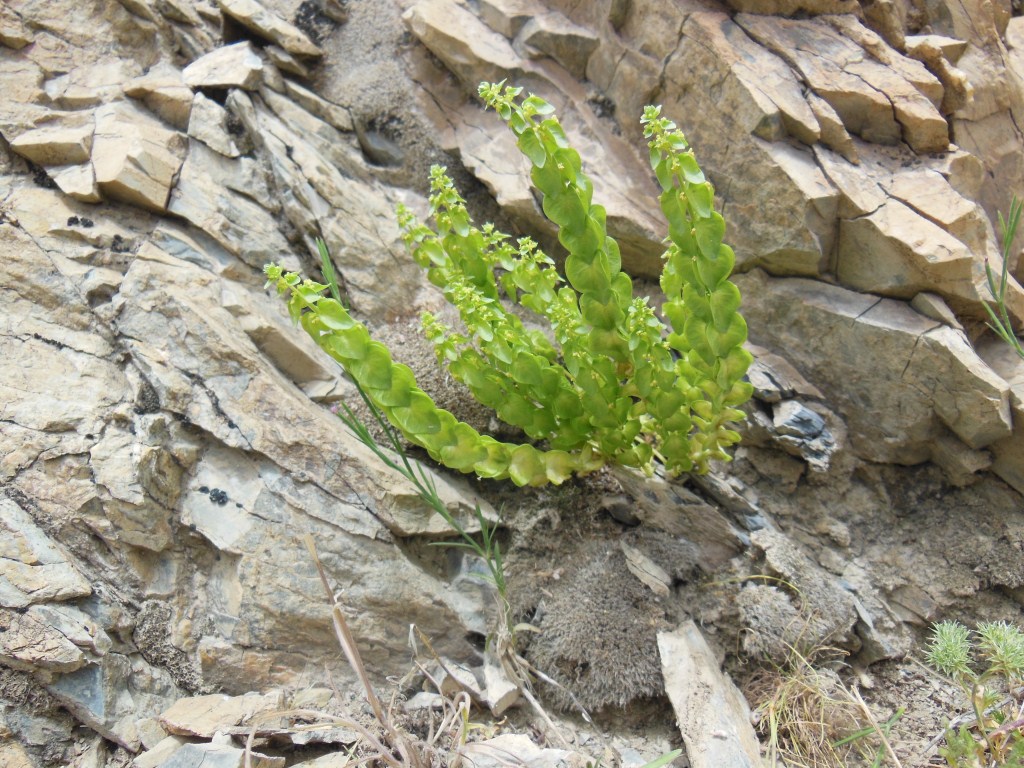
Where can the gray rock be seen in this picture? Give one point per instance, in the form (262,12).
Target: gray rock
(218,755)
(378,148)
(111,694)
(711,713)
(802,432)
(206,196)
(490,753)
(797,420)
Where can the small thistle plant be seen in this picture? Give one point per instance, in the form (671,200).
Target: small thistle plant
(988,664)
(615,385)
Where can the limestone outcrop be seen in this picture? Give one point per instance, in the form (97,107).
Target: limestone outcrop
(165,434)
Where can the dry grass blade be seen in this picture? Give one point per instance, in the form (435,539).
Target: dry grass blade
(410,756)
(346,640)
(879,731)
(803,712)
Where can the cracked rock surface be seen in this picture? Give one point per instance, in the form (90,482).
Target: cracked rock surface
(166,438)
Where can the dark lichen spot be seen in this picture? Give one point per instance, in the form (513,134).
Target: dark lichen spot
(311,19)
(41,179)
(146,399)
(234,126)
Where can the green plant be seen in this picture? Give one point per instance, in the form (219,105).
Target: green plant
(615,385)
(488,549)
(1000,317)
(988,664)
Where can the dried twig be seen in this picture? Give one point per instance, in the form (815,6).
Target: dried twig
(855,694)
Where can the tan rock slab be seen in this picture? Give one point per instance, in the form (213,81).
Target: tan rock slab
(907,67)
(1008,453)
(960,464)
(500,692)
(285,62)
(833,134)
(150,732)
(467,46)
(507,17)
(552,34)
(969,397)
(859,193)
(822,57)
(181,10)
(928,193)
(91,84)
(77,181)
(233,66)
(56,145)
(294,354)
(330,113)
(29,643)
(26,101)
(13,755)
(268,24)
(932,305)
(712,715)
(897,378)
(135,158)
(74,624)
(1014,36)
(13,32)
(924,47)
(757,89)
(158,754)
(32,567)
(771,221)
(875,101)
(894,251)
(204,716)
(219,754)
(164,92)
(208,123)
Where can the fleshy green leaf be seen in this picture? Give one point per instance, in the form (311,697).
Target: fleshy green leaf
(607,383)
(531,146)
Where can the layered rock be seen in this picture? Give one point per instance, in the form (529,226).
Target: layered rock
(830,148)
(143,494)
(165,444)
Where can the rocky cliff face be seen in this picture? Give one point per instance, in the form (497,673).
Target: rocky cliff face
(166,437)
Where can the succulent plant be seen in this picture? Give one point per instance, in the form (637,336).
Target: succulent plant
(612,384)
